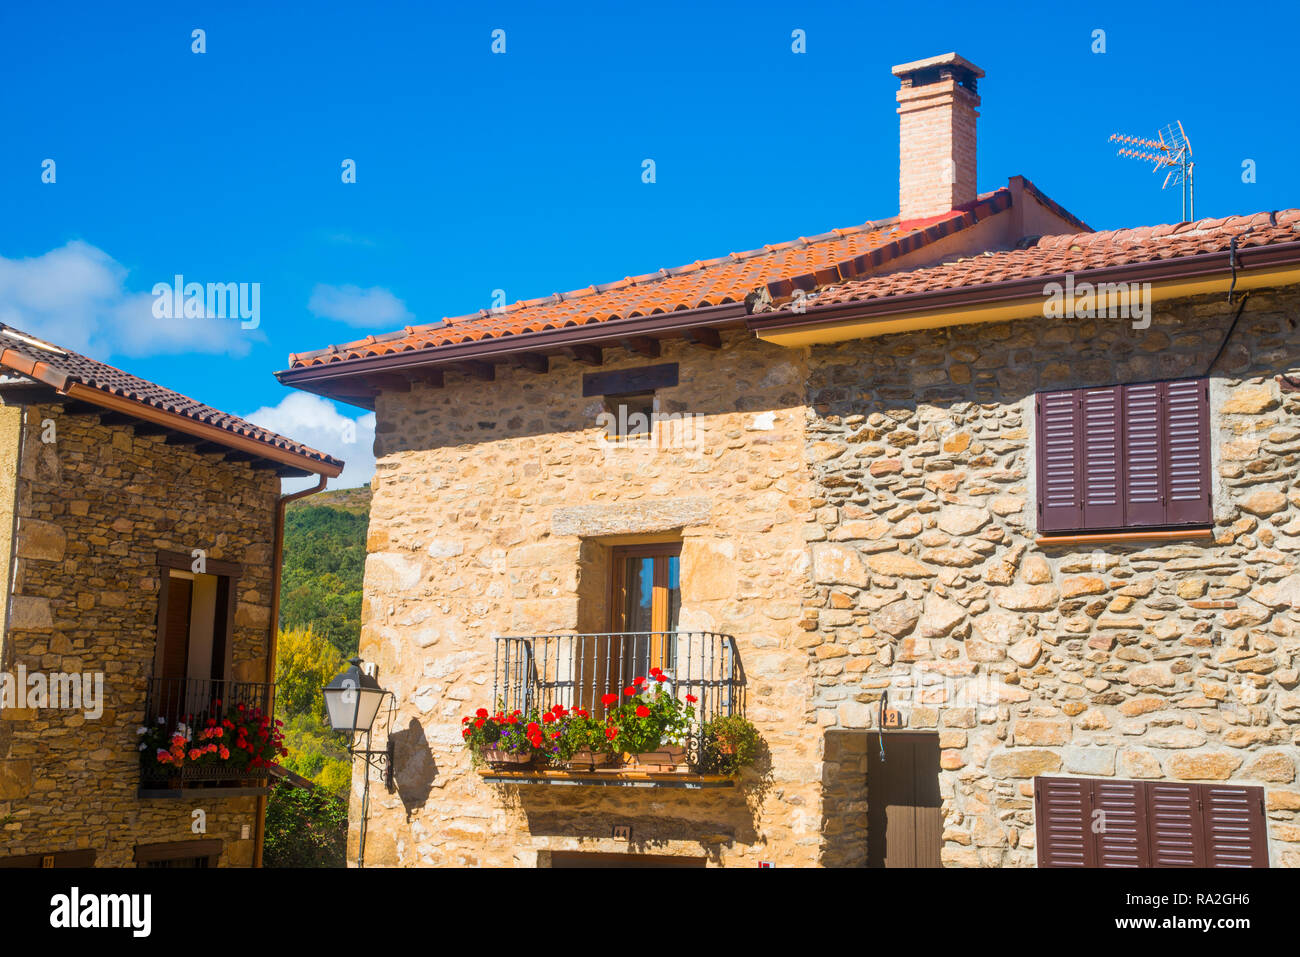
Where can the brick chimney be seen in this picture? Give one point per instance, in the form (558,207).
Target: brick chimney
(936,126)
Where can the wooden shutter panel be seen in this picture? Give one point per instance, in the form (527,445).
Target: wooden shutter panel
(1233,819)
(1144,482)
(1063,814)
(1103,503)
(1060,462)
(1122,835)
(1187,452)
(1176,836)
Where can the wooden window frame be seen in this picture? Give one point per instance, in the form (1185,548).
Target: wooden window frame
(659,596)
(84,857)
(179,850)
(229,571)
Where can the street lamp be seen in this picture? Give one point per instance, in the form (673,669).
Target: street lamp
(352,701)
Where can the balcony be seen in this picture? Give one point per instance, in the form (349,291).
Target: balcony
(537,672)
(193,701)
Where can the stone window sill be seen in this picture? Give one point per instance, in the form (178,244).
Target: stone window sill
(1127,538)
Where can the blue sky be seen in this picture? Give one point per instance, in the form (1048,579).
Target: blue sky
(479,171)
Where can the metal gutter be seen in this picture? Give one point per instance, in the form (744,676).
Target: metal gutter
(664,323)
(1187,267)
(277,562)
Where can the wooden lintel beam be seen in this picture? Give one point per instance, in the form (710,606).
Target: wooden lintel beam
(709,338)
(587,355)
(642,346)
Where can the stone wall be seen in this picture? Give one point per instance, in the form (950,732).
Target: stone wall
(1173,660)
(95,506)
(494,509)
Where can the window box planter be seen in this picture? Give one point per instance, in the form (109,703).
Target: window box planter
(506,761)
(666,758)
(589,760)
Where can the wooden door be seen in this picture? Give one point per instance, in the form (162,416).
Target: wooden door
(904,825)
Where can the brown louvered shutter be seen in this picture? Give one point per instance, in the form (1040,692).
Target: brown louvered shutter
(1063,815)
(1121,835)
(1144,473)
(1187,452)
(1176,836)
(1103,504)
(1060,462)
(1233,820)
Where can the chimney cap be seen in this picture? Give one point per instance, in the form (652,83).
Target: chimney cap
(943,59)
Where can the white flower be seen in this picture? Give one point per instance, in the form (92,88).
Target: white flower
(162,720)
(143,746)
(141,730)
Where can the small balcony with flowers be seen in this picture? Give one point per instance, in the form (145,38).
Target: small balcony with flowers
(220,737)
(617,709)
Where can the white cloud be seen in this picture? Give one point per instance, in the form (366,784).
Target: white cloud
(313,420)
(364,308)
(76,296)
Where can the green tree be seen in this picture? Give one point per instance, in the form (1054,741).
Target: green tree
(305,828)
(304,664)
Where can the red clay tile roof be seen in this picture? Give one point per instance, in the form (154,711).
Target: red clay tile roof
(1054,256)
(23,353)
(711,282)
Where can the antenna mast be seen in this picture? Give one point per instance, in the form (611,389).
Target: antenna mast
(1170,150)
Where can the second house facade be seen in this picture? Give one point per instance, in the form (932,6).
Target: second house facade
(988,522)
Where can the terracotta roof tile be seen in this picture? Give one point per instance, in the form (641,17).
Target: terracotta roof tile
(831,256)
(21,352)
(1057,255)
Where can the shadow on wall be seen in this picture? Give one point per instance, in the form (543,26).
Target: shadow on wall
(414,765)
(844,799)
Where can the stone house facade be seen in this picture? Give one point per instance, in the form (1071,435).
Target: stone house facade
(110,483)
(864,429)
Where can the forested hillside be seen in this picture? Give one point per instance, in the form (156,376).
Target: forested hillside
(324,558)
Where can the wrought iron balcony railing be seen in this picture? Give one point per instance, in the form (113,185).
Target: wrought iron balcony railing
(193,701)
(537,672)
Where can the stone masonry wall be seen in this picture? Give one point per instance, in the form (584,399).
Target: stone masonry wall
(494,509)
(1173,660)
(95,507)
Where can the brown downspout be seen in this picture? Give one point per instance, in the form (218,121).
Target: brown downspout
(277,559)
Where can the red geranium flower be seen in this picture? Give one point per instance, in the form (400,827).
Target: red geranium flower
(478,723)
(608,699)
(661,677)
(691,698)
(611,733)
(481,712)
(629,691)
(642,711)
(548,717)
(638,682)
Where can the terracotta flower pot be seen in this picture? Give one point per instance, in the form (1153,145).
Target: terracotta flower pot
(506,760)
(665,758)
(589,760)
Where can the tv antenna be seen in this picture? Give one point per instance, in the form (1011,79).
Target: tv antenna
(1171,151)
